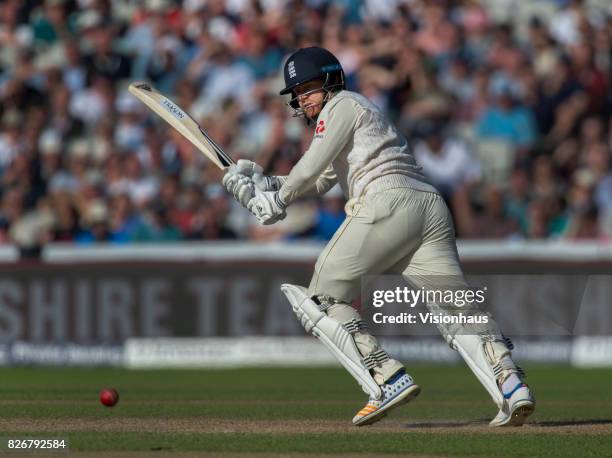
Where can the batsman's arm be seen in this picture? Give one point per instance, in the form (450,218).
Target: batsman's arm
(324,183)
(339,123)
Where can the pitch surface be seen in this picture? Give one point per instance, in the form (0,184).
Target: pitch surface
(298,412)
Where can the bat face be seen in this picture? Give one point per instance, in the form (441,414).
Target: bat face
(181,121)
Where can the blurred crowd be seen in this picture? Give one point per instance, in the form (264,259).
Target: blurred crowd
(506,104)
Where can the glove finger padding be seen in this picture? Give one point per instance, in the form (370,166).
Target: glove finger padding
(230,178)
(244,190)
(239,185)
(248,168)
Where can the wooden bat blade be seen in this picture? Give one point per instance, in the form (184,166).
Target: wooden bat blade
(181,121)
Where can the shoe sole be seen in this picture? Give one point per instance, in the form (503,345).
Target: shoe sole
(519,414)
(379,414)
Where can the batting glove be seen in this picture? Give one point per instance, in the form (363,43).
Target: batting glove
(248,168)
(267,207)
(255,171)
(238,184)
(267,182)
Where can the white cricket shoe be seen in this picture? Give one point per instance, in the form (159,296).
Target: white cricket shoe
(398,390)
(519,403)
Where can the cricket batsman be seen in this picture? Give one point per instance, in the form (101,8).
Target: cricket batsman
(396,222)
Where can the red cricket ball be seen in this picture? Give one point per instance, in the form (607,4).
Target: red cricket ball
(109,397)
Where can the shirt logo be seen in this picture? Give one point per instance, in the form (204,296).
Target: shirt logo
(291,69)
(320,127)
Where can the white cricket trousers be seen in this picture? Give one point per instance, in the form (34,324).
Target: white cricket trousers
(395,231)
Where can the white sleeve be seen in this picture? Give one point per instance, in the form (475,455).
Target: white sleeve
(324,183)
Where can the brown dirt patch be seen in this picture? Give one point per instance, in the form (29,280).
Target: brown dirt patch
(248,402)
(207,425)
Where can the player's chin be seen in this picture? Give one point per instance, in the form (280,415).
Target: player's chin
(312,112)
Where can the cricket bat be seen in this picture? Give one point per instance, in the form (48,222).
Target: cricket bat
(181,121)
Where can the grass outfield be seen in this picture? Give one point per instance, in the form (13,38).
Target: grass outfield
(299,411)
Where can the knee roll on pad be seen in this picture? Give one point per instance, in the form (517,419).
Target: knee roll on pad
(336,337)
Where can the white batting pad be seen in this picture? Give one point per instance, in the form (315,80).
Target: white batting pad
(472,349)
(333,335)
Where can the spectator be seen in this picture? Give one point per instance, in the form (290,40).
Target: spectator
(452,167)
(448,162)
(517,197)
(582,214)
(330,215)
(123,220)
(212,220)
(66,224)
(74,145)
(225,78)
(95,224)
(50,25)
(156,226)
(12,143)
(493,222)
(566,22)
(506,119)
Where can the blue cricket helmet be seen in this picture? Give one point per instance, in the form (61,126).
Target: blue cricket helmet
(307,64)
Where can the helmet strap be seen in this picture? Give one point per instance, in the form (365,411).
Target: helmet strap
(299,112)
